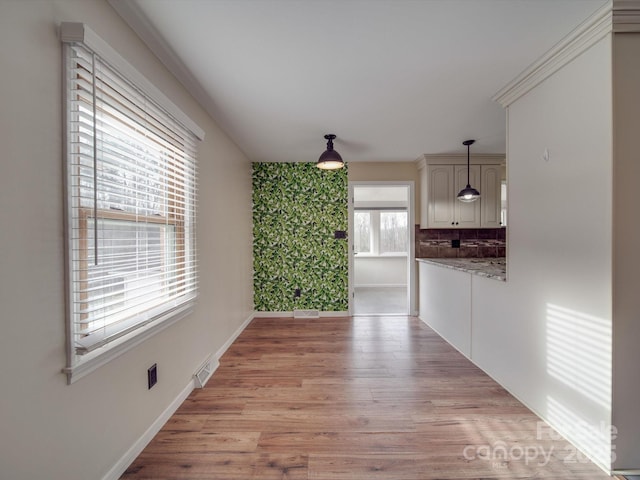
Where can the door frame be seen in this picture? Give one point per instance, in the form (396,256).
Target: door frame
(411,263)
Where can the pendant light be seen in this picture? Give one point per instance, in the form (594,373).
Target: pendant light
(330,159)
(468,194)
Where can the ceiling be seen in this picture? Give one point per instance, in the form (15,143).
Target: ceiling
(393,79)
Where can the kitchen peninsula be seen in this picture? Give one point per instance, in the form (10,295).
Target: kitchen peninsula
(448,288)
(485,267)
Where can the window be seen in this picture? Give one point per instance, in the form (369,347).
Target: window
(131,205)
(503,203)
(380,232)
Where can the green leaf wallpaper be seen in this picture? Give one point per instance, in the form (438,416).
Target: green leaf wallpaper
(296,209)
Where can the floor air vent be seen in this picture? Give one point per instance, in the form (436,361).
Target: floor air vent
(306,314)
(205,372)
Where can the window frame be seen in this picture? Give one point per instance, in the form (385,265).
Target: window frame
(87,214)
(374,227)
(81,365)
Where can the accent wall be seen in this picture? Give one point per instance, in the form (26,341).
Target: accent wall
(297,208)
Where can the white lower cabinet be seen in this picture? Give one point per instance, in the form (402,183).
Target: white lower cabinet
(445,304)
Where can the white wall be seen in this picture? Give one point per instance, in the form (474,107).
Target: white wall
(445,304)
(546,333)
(626,310)
(382,270)
(51,430)
(388,172)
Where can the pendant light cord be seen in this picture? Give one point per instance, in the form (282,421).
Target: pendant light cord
(468,165)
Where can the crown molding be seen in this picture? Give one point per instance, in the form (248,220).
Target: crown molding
(133,16)
(458,158)
(626,16)
(588,33)
(616,16)
(74,32)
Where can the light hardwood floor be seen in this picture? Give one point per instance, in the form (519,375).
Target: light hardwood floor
(358,398)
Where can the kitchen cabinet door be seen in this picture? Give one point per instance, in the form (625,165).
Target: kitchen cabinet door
(466,215)
(490,184)
(440,185)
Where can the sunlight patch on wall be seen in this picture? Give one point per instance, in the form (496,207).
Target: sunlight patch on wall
(579,352)
(595,441)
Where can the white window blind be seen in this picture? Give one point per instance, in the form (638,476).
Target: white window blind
(131,179)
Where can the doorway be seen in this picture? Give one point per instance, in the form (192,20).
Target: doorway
(381,266)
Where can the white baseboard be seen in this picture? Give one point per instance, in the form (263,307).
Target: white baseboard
(121,465)
(273,314)
(381,285)
(290,314)
(233,337)
(634,472)
(334,314)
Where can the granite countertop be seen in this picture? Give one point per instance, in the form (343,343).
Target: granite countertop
(485,267)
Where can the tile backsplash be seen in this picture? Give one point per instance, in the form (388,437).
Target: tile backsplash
(474,242)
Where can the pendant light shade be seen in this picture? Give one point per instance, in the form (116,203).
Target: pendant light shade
(330,159)
(468,194)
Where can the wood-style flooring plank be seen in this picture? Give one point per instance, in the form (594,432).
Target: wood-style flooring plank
(359,398)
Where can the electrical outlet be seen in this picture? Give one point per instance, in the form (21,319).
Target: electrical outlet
(297,293)
(455,243)
(152,375)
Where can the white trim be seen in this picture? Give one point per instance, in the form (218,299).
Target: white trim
(583,37)
(331,314)
(380,285)
(626,16)
(411,265)
(327,314)
(521,400)
(458,158)
(133,16)
(382,255)
(72,32)
(386,205)
(542,417)
(127,459)
(98,358)
(273,314)
(233,337)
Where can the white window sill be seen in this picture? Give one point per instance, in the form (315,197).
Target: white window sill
(102,356)
(384,255)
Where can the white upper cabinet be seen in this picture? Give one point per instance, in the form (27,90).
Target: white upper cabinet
(491,182)
(440,191)
(439,187)
(467,214)
(444,210)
